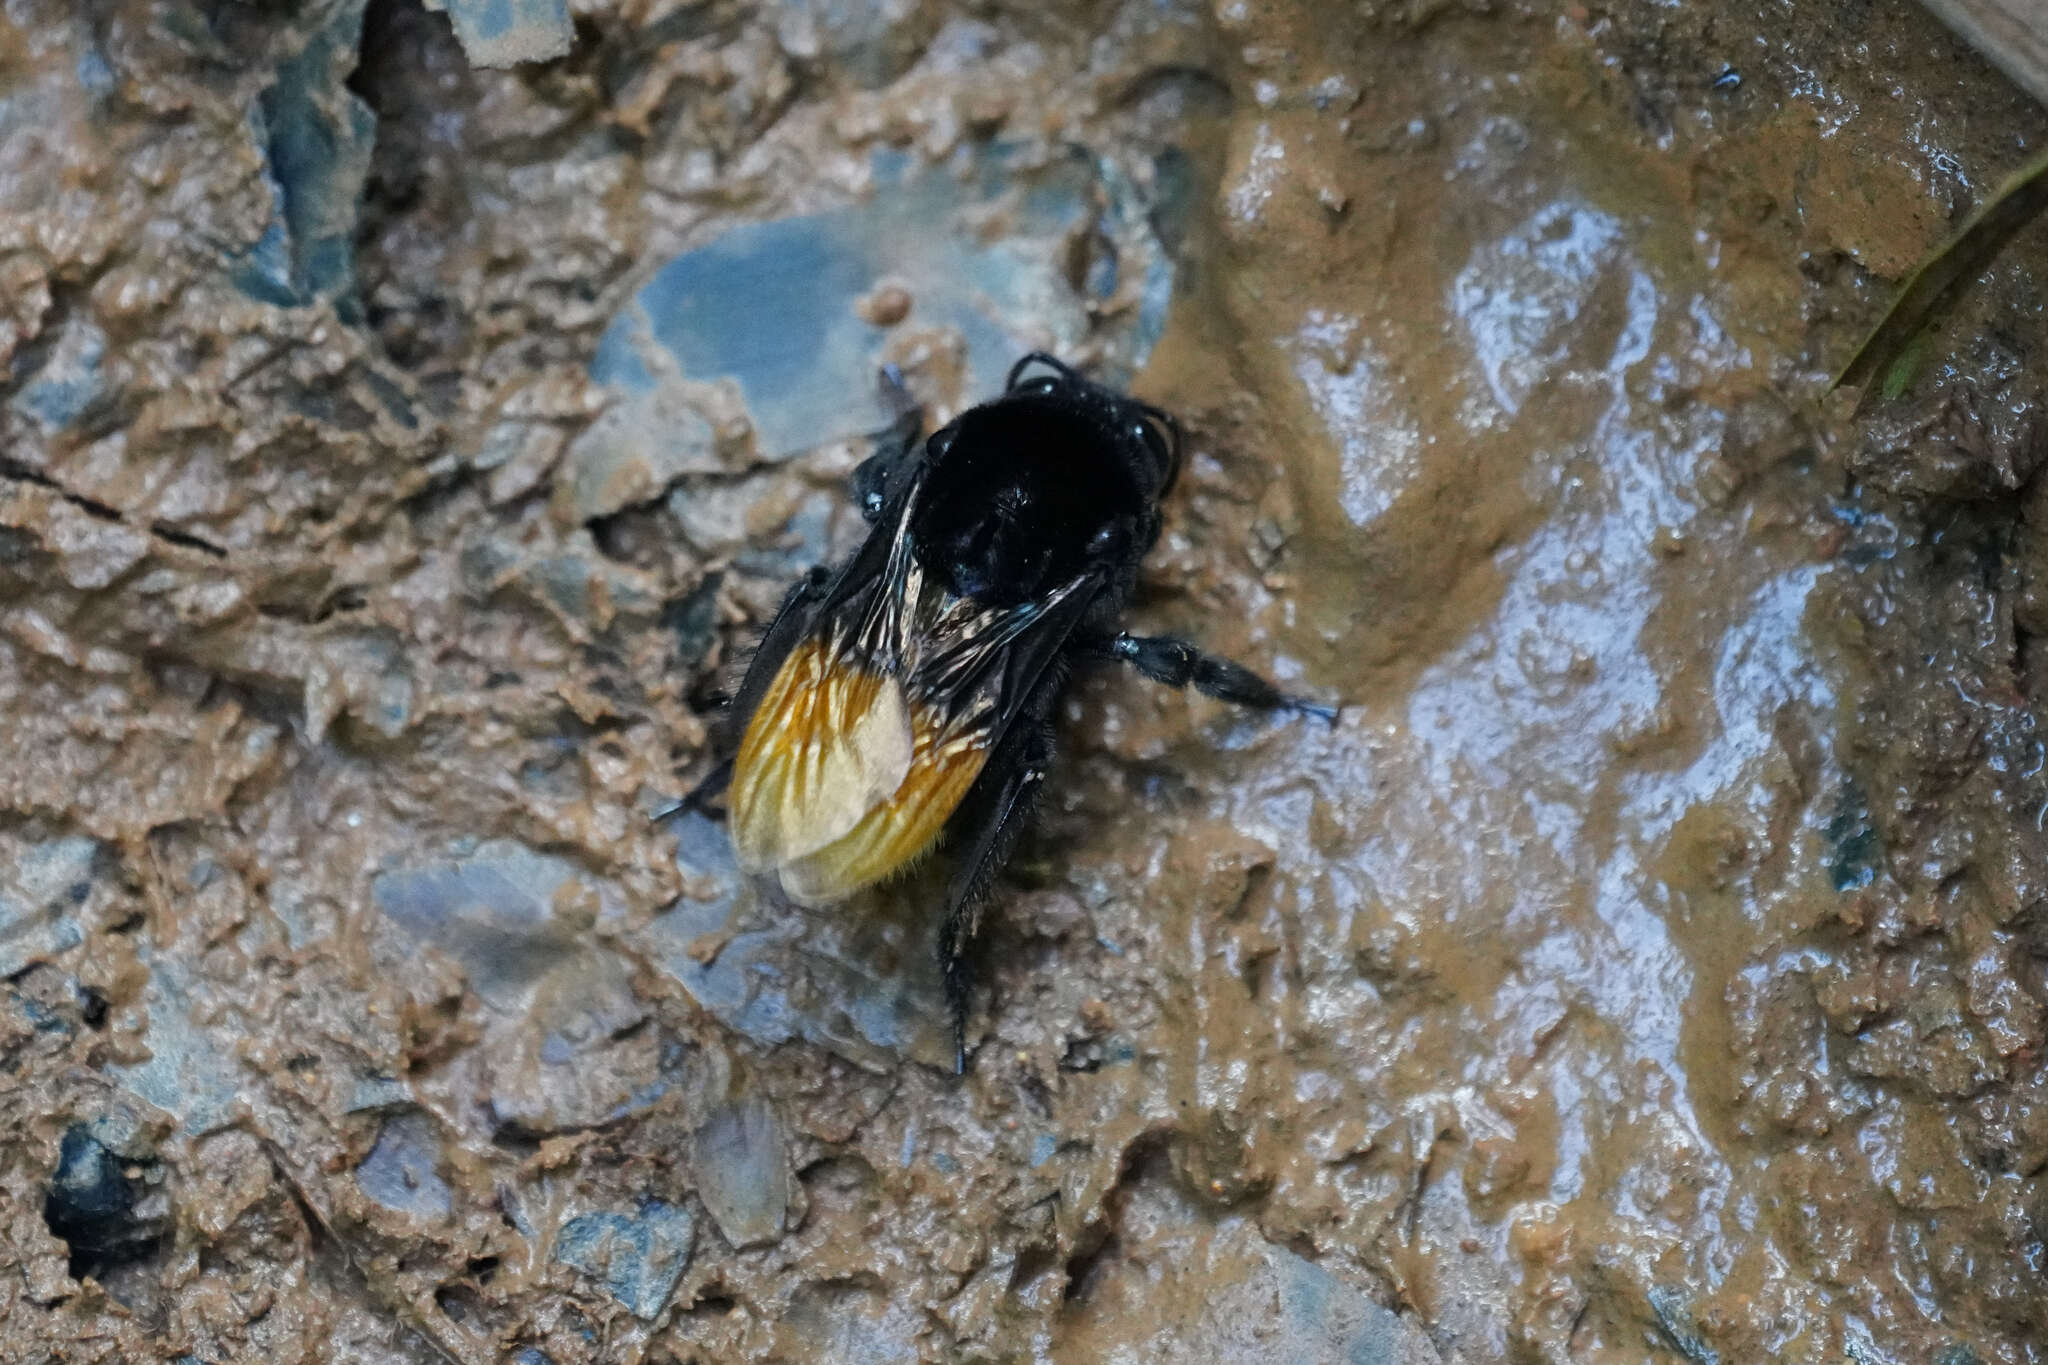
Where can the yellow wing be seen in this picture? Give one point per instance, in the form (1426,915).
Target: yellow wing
(841,780)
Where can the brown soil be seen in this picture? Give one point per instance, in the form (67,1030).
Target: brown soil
(1651,964)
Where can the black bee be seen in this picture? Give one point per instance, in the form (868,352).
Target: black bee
(907,696)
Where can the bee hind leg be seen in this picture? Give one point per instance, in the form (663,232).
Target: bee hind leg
(698,798)
(1177,663)
(785,628)
(791,619)
(988,824)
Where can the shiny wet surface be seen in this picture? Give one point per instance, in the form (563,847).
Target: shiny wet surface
(1647,965)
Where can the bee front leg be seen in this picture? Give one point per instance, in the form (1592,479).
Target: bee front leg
(895,444)
(986,830)
(1177,663)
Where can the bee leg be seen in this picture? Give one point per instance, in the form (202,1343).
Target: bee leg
(784,630)
(709,789)
(895,444)
(1177,663)
(991,817)
(790,622)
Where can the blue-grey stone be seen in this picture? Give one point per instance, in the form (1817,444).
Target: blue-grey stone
(1321,1320)
(584,588)
(576,1058)
(561,1051)
(848,1324)
(492,910)
(1239,1300)
(69,380)
(36,1014)
(772,305)
(264,271)
(186,1075)
(379,1092)
(39,899)
(637,1257)
(402,1171)
(1856,848)
(862,984)
(865,39)
(94,74)
(578,584)
(317,138)
(122,1130)
(508,32)
(805,539)
(610,466)
(741,1156)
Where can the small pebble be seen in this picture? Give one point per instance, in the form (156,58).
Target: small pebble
(885,305)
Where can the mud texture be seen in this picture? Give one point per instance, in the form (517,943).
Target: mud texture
(1650,965)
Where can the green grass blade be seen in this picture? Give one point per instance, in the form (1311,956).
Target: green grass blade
(1962,259)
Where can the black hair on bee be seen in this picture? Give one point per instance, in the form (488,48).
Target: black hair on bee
(906,697)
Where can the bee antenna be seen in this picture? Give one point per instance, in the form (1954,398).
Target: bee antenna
(1166,421)
(1051,362)
(895,392)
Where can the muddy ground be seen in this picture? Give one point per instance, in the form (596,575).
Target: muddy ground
(397,457)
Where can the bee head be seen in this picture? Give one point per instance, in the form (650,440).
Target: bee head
(1148,434)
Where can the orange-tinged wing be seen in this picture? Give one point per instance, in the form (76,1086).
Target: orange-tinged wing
(902,829)
(840,780)
(829,742)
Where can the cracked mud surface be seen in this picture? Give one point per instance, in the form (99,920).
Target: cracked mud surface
(1650,964)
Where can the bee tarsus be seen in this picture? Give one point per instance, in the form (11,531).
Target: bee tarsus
(782,632)
(989,823)
(1178,663)
(699,798)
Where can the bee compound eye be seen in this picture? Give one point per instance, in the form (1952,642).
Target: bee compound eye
(1160,436)
(1109,540)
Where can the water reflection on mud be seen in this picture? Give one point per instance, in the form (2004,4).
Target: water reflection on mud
(1651,961)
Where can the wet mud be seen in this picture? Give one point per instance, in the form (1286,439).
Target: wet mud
(399,454)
